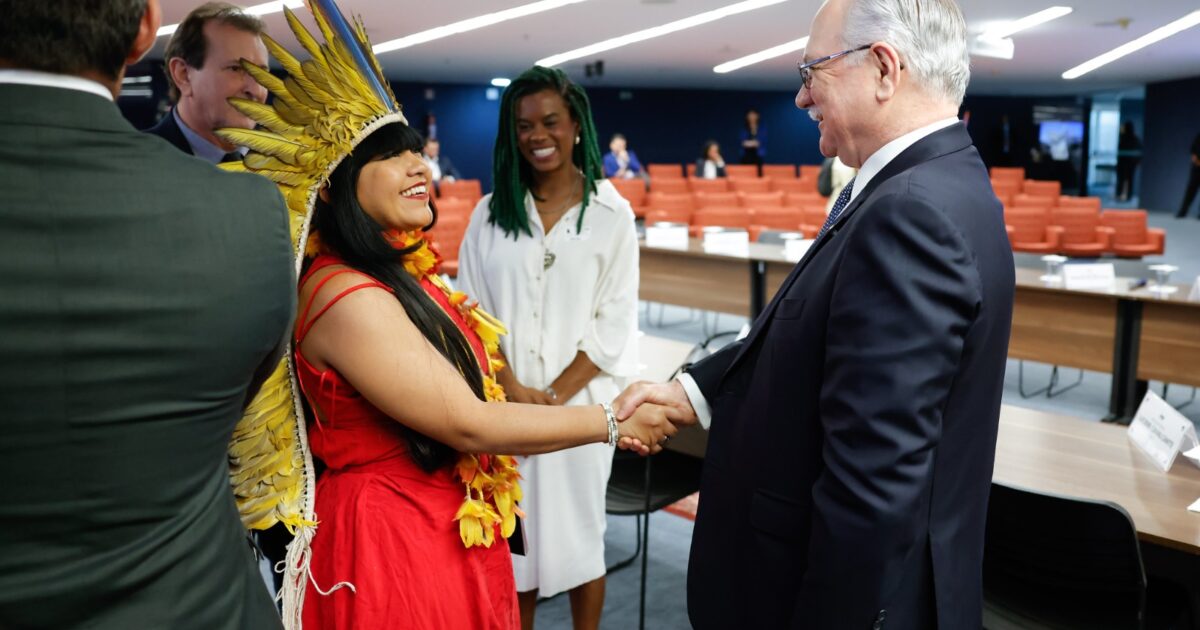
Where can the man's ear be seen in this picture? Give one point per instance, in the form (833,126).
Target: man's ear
(178,69)
(147,32)
(324,193)
(888,67)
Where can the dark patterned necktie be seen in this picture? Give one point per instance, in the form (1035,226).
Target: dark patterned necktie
(843,200)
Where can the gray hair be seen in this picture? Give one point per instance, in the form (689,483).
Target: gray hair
(929,35)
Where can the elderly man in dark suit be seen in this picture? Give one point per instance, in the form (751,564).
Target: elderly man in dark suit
(853,430)
(204,71)
(146,295)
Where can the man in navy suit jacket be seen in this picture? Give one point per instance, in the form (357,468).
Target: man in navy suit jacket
(203,67)
(853,430)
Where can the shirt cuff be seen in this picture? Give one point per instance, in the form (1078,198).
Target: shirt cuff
(699,403)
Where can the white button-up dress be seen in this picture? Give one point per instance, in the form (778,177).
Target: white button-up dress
(585,300)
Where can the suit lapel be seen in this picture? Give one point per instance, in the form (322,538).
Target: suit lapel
(941,142)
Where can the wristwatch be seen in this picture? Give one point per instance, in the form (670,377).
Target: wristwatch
(553,394)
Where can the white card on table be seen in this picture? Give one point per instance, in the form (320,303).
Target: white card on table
(795,248)
(727,242)
(1160,431)
(1195,294)
(670,236)
(1100,276)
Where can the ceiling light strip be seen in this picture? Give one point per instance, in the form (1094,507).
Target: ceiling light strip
(470,24)
(1153,37)
(265,8)
(1028,22)
(762,55)
(657,31)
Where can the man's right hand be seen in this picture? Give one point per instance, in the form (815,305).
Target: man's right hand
(670,395)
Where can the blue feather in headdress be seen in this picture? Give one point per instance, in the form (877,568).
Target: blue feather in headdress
(333,16)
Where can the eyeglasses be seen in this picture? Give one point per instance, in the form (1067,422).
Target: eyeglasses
(806,68)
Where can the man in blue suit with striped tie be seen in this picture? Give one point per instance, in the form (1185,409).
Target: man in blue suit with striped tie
(853,430)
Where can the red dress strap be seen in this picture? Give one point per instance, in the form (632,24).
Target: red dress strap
(306,324)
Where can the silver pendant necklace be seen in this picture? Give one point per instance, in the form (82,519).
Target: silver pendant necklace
(548,258)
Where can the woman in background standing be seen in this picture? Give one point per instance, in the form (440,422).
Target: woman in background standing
(754,141)
(553,252)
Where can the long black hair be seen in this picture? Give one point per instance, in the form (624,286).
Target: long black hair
(512,175)
(350,232)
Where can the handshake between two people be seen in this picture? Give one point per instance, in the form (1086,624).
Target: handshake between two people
(650,413)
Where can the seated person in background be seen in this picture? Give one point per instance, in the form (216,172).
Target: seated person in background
(440,166)
(620,163)
(710,165)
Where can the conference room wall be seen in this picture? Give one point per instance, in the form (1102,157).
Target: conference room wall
(1172,122)
(663,125)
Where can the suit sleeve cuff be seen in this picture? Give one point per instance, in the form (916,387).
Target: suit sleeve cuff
(699,403)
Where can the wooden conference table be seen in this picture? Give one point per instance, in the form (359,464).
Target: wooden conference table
(1134,335)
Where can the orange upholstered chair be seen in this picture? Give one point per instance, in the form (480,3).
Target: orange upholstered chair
(1131,237)
(1067,201)
(669,200)
(799,200)
(674,185)
(469,189)
(1082,233)
(741,171)
(773,218)
(812,217)
(793,185)
(665,170)
(447,236)
(1029,230)
(700,185)
(1006,188)
(454,207)
(779,171)
(722,217)
(668,215)
(1044,201)
(715,199)
(1039,188)
(634,191)
(810,171)
(758,199)
(1007,173)
(755,185)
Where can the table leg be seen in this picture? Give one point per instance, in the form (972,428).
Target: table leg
(758,288)
(1125,397)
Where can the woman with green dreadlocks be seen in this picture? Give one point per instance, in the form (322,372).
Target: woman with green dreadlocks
(553,253)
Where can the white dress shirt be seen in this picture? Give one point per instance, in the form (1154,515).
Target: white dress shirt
(869,170)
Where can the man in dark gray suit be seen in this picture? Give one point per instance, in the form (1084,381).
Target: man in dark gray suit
(145,296)
(853,430)
(204,71)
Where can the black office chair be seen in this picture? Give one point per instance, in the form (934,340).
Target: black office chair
(1054,562)
(642,485)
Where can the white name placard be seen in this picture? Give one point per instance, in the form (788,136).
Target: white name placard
(670,236)
(727,242)
(1195,294)
(1160,431)
(1100,276)
(795,248)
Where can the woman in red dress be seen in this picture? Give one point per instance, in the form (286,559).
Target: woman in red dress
(397,377)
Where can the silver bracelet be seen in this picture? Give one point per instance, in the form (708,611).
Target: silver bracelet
(612,423)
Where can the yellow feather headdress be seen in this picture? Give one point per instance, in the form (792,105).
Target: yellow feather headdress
(321,111)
